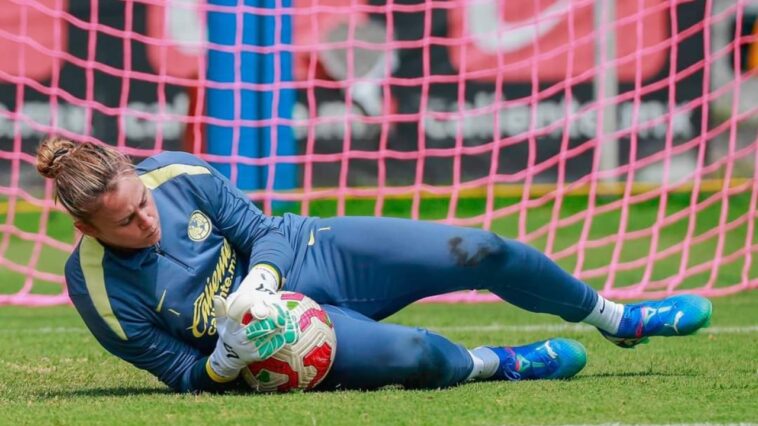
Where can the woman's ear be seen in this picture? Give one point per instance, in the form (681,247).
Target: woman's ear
(85,228)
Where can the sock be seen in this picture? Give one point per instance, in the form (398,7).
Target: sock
(606,315)
(486,363)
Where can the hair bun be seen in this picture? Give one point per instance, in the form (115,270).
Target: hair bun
(51,155)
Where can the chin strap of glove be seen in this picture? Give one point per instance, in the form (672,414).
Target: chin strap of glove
(262,277)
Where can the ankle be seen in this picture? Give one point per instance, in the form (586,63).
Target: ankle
(606,315)
(485,362)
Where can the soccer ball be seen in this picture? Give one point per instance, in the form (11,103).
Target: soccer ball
(303,364)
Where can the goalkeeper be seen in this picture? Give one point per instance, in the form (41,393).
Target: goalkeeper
(166,240)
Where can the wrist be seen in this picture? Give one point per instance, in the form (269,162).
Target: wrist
(222,369)
(262,277)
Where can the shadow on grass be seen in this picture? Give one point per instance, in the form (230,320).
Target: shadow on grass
(104,392)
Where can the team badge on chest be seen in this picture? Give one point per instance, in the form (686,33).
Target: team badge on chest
(199,226)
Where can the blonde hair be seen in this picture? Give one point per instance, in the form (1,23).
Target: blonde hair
(82,172)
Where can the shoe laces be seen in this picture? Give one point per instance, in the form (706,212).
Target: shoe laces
(648,317)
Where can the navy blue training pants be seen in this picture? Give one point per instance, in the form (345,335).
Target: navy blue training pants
(363,269)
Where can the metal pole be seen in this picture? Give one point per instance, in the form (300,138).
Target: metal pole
(242,31)
(229,29)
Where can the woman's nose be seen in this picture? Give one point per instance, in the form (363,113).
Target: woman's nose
(145,220)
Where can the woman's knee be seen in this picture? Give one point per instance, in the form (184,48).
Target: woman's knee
(477,248)
(426,363)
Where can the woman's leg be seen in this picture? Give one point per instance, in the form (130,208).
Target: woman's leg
(376,266)
(371,354)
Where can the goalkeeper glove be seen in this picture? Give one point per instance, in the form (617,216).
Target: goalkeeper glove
(270,327)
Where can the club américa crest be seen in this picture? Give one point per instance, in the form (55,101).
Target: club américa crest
(199,226)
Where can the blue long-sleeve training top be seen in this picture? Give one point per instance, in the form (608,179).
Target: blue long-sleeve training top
(153,307)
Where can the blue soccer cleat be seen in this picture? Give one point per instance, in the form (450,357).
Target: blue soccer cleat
(672,316)
(548,359)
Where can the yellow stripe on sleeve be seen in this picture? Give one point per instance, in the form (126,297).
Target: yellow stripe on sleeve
(91,260)
(160,176)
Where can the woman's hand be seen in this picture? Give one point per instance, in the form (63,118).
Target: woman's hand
(252,326)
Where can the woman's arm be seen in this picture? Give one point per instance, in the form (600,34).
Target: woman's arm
(247,228)
(178,365)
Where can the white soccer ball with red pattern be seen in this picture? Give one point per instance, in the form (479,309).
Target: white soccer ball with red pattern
(303,364)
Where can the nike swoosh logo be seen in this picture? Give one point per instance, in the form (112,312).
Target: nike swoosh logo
(493,35)
(602,309)
(312,238)
(160,303)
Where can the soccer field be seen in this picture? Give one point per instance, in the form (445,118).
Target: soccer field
(617,137)
(54,372)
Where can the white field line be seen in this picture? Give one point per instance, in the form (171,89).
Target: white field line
(579,328)
(664,424)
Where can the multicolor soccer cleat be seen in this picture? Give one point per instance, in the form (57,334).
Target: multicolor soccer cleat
(672,316)
(548,359)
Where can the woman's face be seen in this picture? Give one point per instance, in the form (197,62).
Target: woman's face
(127,217)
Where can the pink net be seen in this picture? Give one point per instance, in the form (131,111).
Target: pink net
(619,138)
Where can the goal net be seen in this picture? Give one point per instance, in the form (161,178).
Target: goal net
(619,137)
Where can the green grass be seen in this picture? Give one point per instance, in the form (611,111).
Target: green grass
(643,215)
(53,372)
